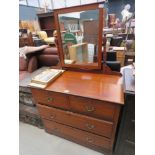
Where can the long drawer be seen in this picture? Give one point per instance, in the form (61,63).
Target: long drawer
(51,98)
(100,127)
(90,107)
(77,135)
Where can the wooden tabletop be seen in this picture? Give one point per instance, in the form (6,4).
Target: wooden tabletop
(91,85)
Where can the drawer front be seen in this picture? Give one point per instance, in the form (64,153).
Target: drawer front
(95,108)
(50,98)
(76,134)
(100,127)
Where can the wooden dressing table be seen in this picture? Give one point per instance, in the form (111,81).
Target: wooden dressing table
(83,107)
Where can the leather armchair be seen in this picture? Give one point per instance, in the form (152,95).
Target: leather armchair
(47,57)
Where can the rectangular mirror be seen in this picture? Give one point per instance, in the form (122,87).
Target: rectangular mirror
(80,36)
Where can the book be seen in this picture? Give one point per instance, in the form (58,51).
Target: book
(43,79)
(69,61)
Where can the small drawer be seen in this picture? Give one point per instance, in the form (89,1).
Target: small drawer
(50,98)
(95,108)
(100,127)
(76,135)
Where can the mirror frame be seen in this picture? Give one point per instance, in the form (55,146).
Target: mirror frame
(93,6)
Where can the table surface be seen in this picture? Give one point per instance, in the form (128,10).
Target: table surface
(96,86)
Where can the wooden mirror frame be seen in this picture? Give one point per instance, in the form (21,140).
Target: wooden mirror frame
(94,6)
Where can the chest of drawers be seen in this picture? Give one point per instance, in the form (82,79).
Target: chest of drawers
(88,116)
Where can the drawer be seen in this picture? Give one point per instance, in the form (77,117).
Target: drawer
(50,98)
(76,134)
(95,108)
(100,127)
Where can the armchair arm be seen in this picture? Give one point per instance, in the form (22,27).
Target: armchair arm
(33,64)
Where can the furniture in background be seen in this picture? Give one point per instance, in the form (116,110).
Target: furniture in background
(111,20)
(130,53)
(28,112)
(26,40)
(116,41)
(43,36)
(38,42)
(120,52)
(28,68)
(125,144)
(31,25)
(46,57)
(112,61)
(47,23)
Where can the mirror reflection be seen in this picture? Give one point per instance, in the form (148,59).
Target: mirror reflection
(79,36)
(119,31)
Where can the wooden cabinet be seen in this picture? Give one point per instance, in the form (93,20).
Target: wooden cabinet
(89,119)
(47,23)
(26,40)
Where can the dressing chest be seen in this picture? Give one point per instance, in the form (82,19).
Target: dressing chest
(82,107)
(83,104)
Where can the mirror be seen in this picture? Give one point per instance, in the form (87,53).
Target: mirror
(79,40)
(80,36)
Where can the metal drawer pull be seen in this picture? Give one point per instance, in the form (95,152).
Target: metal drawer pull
(49,99)
(90,126)
(90,108)
(52,116)
(90,140)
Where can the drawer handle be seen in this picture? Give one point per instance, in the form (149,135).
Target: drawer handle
(52,116)
(49,99)
(90,126)
(90,108)
(90,140)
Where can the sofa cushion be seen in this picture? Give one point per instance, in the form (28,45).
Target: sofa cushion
(50,50)
(48,60)
(23,64)
(33,64)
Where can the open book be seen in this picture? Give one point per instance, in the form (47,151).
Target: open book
(43,79)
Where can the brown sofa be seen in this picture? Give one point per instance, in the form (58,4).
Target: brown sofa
(47,57)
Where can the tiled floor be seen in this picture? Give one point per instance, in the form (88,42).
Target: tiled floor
(35,141)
